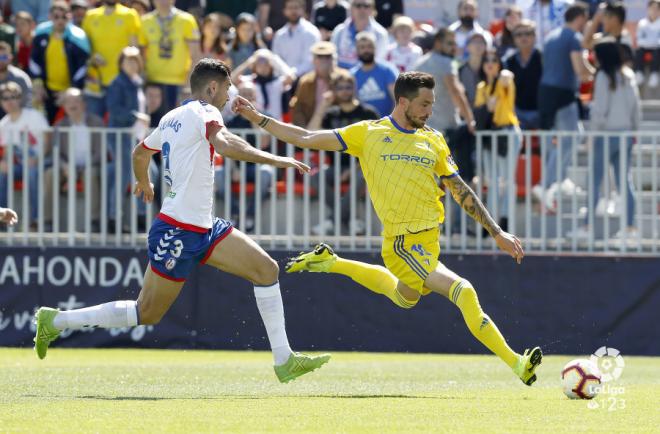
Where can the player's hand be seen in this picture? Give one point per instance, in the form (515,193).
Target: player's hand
(284,162)
(144,190)
(245,108)
(8,216)
(510,244)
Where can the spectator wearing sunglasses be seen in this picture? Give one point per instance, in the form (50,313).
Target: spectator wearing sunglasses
(527,66)
(59,57)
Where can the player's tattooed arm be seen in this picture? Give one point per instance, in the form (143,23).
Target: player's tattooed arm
(468,200)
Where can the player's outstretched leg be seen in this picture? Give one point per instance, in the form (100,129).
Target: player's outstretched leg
(464,296)
(239,255)
(373,277)
(155,298)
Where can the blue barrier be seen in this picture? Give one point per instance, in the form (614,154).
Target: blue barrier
(568,305)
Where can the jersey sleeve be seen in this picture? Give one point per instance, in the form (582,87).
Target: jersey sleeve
(445,167)
(152,142)
(209,119)
(352,137)
(190,29)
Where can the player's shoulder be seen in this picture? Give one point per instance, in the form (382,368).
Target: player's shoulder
(433,136)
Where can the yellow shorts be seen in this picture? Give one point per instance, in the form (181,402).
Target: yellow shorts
(412,257)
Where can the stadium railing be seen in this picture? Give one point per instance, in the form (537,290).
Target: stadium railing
(291,209)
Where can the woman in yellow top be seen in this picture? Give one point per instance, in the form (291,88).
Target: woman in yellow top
(495,110)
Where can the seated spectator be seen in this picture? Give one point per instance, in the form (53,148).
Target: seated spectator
(38,9)
(24,35)
(213,42)
(59,57)
(247,90)
(648,44)
(612,17)
(126,109)
(142,7)
(78,10)
(10,73)
(403,53)
(315,83)
(504,40)
(527,67)
(328,14)
(246,40)
(361,19)
(339,108)
(170,51)
(271,76)
(76,141)
(375,79)
(547,14)
(123,24)
(295,39)
(470,73)
(19,125)
(467,24)
(615,107)
(495,110)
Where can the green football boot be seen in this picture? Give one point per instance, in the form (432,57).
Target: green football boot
(527,364)
(299,364)
(319,260)
(46,331)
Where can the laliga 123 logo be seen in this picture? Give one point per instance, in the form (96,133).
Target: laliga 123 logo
(609,362)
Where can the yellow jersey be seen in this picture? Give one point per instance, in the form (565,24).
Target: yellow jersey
(168,58)
(57,67)
(400,167)
(505,110)
(108,35)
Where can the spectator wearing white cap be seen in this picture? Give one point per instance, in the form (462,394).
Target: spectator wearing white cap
(295,39)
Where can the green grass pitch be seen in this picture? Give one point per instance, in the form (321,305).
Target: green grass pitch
(116,391)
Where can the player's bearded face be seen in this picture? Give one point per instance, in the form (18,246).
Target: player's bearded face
(221,96)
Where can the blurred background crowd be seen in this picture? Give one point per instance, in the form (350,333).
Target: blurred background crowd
(499,65)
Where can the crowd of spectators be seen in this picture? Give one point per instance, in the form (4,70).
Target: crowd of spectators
(316,64)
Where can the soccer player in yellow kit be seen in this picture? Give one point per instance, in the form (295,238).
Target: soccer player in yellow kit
(401,159)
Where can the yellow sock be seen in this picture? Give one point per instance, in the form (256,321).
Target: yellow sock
(374,277)
(482,327)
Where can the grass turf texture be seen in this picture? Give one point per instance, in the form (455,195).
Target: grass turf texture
(203,391)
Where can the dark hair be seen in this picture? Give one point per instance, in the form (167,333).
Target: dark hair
(653,3)
(219,46)
(250,19)
(341,75)
(208,69)
(442,33)
(610,61)
(575,11)
(616,9)
(507,36)
(407,84)
(482,74)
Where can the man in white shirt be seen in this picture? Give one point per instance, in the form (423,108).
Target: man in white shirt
(22,135)
(467,25)
(293,42)
(76,142)
(361,19)
(186,233)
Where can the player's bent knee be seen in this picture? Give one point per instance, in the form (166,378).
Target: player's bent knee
(266,272)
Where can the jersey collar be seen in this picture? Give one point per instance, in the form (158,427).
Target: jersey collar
(399,127)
